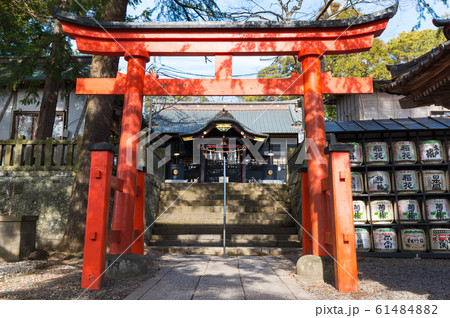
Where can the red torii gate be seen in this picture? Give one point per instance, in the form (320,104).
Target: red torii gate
(330,225)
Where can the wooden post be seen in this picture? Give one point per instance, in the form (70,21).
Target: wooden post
(345,267)
(18,151)
(48,152)
(95,243)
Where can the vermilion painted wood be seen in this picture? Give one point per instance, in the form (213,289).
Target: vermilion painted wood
(346,272)
(127,158)
(222,34)
(223,43)
(223,85)
(239,41)
(95,243)
(316,143)
(138,240)
(306,216)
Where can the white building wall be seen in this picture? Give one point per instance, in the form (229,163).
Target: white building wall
(378,105)
(76,104)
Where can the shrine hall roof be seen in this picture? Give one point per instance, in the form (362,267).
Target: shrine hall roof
(399,124)
(382,14)
(263,118)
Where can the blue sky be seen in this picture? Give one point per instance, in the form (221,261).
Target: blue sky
(404,21)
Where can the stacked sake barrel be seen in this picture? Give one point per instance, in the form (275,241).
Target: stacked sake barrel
(400,196)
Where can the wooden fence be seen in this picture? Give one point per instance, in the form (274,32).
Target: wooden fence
(37,154)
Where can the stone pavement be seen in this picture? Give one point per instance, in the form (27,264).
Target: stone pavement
(184,277)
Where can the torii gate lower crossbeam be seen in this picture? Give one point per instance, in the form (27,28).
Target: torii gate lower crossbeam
(327,176)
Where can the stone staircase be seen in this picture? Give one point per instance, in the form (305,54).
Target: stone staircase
(190,220)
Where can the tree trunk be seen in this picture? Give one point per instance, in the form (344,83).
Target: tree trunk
(47,112)
(96,129)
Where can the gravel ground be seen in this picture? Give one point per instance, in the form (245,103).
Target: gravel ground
(392,279)
(59,278)
(379,278)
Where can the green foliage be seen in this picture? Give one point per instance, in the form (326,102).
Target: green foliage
(183,10)
(366,64)
(410,45)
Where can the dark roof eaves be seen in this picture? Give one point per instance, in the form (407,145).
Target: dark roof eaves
(71,18)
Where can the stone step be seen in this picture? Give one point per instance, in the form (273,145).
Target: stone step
(200,209)
(218,229)
(219,221)
(203,215)
(255,196)
(232,237)
(184,202)
(231,243)
(232,186)
(208,250)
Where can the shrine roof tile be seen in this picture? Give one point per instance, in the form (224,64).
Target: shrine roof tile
(186,120)
(424,123)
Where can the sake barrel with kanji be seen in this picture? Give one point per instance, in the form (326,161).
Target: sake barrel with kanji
(362,240)
(434,181)
(437,210)
(440,239)
(408,211)
(356,156)
(359,212)
(357,182)
(413,240)
(378,182)
(384,240)
(381,211)
(377,152)
(431,151)
(407,181)
(404,152)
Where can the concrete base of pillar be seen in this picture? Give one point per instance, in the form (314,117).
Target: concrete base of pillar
(311,268)
(125,266)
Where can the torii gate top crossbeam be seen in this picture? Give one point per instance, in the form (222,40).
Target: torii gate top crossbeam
(235,38)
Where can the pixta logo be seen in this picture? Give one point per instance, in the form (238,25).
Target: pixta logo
(144,144)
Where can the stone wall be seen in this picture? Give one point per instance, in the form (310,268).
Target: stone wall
(41,193)
(152,197)
(294,186)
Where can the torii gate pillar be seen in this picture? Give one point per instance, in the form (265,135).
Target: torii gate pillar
(124,200)
(316,143)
